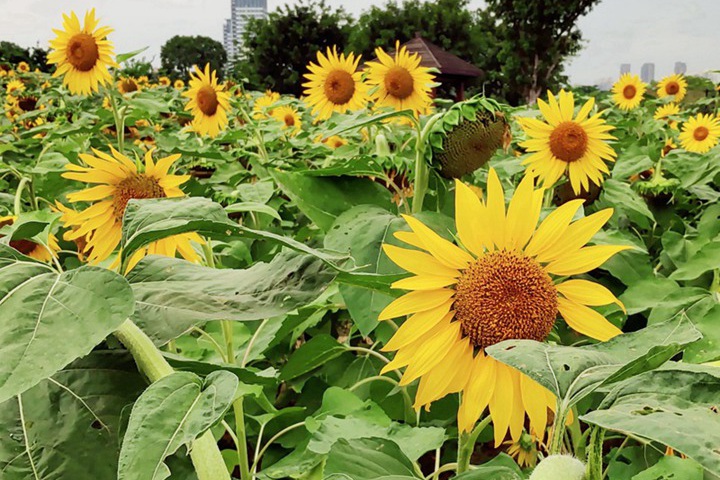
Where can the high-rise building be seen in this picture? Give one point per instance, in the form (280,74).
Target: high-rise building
(647,72)
(240,12)
(624,68)
(680,67)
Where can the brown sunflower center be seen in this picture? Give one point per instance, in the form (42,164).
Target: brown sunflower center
(207,100)
(701,133)
(128,85)
(27,104)
(505,295)
(399,82)
(339,87)
(568,141)
(629,92)
(672,88)
(289,120)
(136,186)
(82,52)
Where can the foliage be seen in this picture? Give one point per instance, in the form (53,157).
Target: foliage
(36,57)
(180,53)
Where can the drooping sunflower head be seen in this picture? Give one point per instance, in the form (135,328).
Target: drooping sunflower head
(468,135)
(664,111)
(505,278)
(628,91)
(566,143)
(128,85)
(23,67)
(261,107)
(289,117)
(399,81)
(117,181)
(673,86)
(334,84)
(38,251)
(82,54)
(700,133)
(208,103)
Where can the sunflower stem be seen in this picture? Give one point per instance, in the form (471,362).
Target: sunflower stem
(594,469)
(557,434)
(422,170)
(205,455)
(466,444)
(17,206)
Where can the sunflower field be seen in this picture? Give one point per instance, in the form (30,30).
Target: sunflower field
(203,282)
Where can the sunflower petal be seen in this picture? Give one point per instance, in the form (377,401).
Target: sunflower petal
(587,321)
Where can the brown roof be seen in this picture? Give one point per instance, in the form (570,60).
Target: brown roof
(436,57)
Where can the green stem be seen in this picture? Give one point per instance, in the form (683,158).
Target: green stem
(17,207)
(205,455)
(422,170)
(558,429)
(466,444)
(594,469)
(448,467)
(578,440)
(256,462)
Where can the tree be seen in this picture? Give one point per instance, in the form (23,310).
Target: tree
(180,53)
(530,40)
(12,53)
(277,50)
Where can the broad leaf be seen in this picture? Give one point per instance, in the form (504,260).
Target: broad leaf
(368,459)
(314,353)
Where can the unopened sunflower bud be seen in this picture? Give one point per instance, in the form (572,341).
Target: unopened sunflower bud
(382,148)
(559,467)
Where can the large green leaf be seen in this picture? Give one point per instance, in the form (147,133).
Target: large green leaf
(317,351)
(172,295)
(572,373)
(172,412)
(367,459)
(707,259)
(68,426)
(324,199)
(675,406)
(670,468)
(48,319)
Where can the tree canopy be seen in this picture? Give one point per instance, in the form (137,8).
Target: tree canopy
(180,53)
(11,53)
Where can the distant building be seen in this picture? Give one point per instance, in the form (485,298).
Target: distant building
(624,68)
(680,67)
(234,27)
(647,72)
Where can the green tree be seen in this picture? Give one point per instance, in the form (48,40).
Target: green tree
(180,53)
(529,40)
(276,50)
(12,53)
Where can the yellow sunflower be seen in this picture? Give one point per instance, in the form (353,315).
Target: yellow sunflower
(38,251)
(524,450)
(23,67)
(82,54)
(261,108)
(335,84)
(563,144)
(628,91)
(664,111)
(504,280)
(178,84)
(335,141)
(13,87)
(674,86)
(164,81)
(118,181)
(289,117)
(700,133)
(128,85)
(400,82)
(208,102)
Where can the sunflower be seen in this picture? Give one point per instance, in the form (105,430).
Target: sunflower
(628,91)
(208,102)
(334,141)
(261,108)
(400,82)
(335,84)
(566,144)
(118,181)
(524,450)
(700,133)
(164,81)
(128,85)
(82,54)
(14,86)
(289,117)
(23,67)
(664,111)
(178,84)
(674,86)
(38,251)
(505,280)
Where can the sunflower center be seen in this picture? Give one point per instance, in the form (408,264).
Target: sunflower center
(568,141)
(82,52)
(399,82)
(339,87)
(289,120)
(128,85)
(505,295)
(629,92)
(27,104)
(701,133)
(207,100)
(136,186)
(672,88)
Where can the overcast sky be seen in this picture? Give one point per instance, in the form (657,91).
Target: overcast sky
(616,31)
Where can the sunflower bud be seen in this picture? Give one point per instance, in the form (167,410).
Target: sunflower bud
(559,467)
(382,147)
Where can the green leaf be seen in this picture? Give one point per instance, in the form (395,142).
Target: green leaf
(323,199)
(501,467)
(672,468)
(625,200)
(253,207)
(172,412)
(63,417)
(317,351)
(368,459)
(172,295)
(47,319)
(123,57)
(705,260)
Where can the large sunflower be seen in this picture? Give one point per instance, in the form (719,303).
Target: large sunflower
(566,144)
(504,280)
(700,133)
(628,91)
(118,181)
(82,54)
(400,82)
(38,251)
(674,86)
(334,84)
(208,102)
